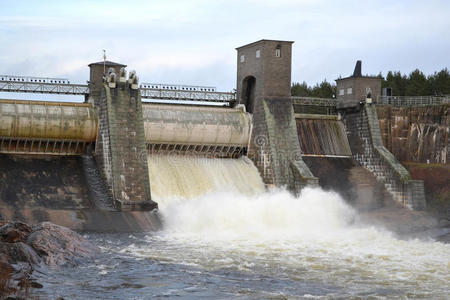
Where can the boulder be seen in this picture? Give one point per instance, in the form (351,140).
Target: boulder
(58,245)
(23,247)
(19,252)
(14,232)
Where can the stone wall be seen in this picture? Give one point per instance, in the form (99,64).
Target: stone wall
(367,149)
(275,148)
(416,134)
(120,149)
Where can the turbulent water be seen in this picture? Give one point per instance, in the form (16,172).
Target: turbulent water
(225,237)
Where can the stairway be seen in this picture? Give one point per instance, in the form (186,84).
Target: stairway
(97,189)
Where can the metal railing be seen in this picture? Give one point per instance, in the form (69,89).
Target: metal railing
(41,85)
(413,100)
(186,93)
(171,92)
(314,101)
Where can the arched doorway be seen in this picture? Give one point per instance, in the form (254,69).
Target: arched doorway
(248,93)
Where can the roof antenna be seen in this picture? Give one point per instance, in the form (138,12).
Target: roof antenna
(104,62)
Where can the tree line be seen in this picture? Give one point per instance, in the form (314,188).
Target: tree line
(414,84)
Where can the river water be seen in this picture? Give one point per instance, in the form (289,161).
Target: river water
(225,237)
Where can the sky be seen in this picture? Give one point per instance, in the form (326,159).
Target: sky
(193,41)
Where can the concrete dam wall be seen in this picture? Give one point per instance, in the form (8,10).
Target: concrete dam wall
(322,135)
(416,134)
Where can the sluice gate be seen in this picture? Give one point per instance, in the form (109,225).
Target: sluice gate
(62,128)
(194,130)
(39,127)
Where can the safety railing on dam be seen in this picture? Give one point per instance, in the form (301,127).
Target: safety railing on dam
(414,100)
(42,85)
(313,105)
(150,91)
(314,101)
(185,92)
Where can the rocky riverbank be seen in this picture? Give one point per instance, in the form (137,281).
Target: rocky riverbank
(25,249)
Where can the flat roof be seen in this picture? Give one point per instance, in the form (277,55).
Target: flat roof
(354,77)
(107,63)
(264,40)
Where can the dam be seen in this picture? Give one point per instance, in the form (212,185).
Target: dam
(254,194)
(127,134)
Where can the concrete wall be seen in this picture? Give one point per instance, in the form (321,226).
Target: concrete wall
(54,188)
(322,135)
(416,134)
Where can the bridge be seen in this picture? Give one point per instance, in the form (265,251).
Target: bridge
(149,91)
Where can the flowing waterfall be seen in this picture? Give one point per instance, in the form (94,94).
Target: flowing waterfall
(174,177)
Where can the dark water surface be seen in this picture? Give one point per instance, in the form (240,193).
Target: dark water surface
(118,275)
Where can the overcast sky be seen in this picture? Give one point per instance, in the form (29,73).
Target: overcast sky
(194,41)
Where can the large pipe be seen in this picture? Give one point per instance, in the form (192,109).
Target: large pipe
(196,125)
(47,120)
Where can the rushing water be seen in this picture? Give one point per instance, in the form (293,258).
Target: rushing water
(225,237)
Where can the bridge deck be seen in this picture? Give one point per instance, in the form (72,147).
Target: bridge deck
(60,86)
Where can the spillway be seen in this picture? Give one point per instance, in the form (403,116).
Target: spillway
(177,177)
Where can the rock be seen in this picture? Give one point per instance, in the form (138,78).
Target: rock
(19,252)
(59,245)
(23,247)
(5,264)
(14,232)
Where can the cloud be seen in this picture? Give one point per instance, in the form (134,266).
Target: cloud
(188,41)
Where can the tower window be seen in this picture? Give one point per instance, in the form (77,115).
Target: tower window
(278,52)
(349,91)
(341,92)
(258,53)
(242,58)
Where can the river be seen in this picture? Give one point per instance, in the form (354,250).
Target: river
(225,237)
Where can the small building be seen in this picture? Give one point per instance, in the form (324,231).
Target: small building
(354,89)
(263,70)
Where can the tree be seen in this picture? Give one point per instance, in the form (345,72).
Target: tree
(417,84)
(322,90)
(300,89)
(439,83)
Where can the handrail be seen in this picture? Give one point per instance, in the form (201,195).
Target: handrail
(314,101)
(413,100)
